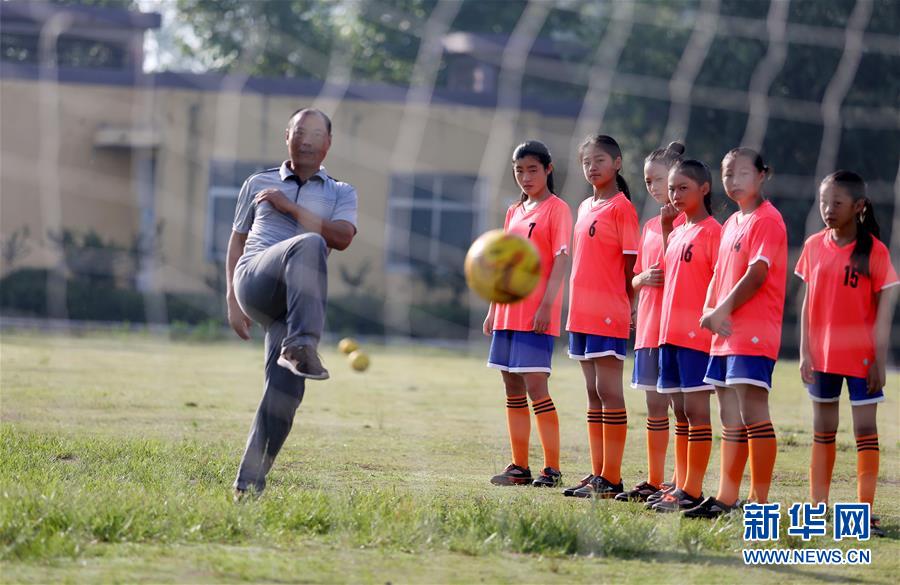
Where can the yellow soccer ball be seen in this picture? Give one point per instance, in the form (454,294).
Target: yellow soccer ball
(359,361)
(501,267)
(348,345)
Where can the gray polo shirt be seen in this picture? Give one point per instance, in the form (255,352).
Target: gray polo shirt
(322,195)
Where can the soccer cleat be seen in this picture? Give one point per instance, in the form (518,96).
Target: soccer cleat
(653,498)
(303,361)
(570,491)
(244,495)
(709,508)
(640,493)
(599,487)
(606,490)
(875,528)
(667,485)
(513,475)
(549,477)
(677,501)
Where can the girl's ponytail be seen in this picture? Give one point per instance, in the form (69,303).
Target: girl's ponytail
(866,225)
(622,184)
(866,229)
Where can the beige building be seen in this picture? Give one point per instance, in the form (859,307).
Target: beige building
(126,153)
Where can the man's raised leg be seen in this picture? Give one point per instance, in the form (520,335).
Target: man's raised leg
(306,283)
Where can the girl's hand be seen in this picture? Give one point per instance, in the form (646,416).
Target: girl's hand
(653,276)
(542,317)
(876,377)
(488,327)
(806,368)
(716,321)
(667,216)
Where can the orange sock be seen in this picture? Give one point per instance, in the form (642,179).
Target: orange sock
(821,465)
(657,444)
(763,449)
(699,448)
(518,421)
(595,439)
(615,427)
(867,459)
(548,430)
(733,461)
(681,453)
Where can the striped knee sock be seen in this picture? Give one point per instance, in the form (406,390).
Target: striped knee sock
(821,466)
(657,444)
(548,430)
(615,427)
(763,449)
(699,448)
(868,456)
(518,422)
(595,439)
(733,461)
(681,452)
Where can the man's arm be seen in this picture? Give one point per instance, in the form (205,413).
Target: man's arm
(337,234)
(236,317)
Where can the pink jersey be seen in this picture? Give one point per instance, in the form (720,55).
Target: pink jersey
(650,250)
(605,233)
(689,262)
(549,227)
(756,325)
(841,303)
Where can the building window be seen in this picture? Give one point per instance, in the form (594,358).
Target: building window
(70,51)
(225,180)
(431,221)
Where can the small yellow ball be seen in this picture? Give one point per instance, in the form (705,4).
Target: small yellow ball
(359,361)
(348,345)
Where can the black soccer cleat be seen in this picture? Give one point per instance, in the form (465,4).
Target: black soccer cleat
(709,508)
(549,477)
(599,487)
(653,498)
(513,475)
(677,501)
(303,361)
(875,528)
(570,491)
(607,490)
(640,493)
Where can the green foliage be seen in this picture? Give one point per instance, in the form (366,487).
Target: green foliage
(357,313)
(24,293)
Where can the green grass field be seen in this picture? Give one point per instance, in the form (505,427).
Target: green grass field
(118,453)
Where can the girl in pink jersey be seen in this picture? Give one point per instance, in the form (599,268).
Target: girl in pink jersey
(691,250)
(744,308)
(648,287)
(845,329)
(522,333)
(600,305)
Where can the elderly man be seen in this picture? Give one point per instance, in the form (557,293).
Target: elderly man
(285,222)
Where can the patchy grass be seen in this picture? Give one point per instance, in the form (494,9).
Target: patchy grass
(118,452)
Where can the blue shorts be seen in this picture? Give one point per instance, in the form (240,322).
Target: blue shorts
(682,370)
(584,346)
(728,370)
(521,352)
(827,388)
(646,369)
